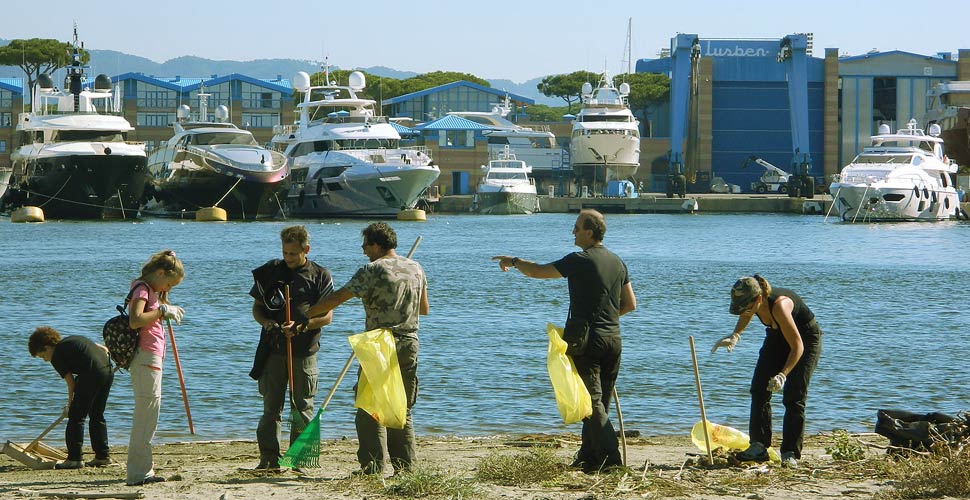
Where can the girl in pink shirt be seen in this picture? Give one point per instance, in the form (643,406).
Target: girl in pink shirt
(148,307)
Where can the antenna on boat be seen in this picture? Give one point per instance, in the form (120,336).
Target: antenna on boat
(629,47)
(203,104)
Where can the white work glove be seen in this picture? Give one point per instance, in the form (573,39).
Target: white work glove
(777,382)
(727,342)
(172,312)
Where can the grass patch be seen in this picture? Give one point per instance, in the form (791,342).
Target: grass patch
(844,448)
(945,472)
(538,465)
(426,482)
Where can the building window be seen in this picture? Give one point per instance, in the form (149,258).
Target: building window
(260,120)
(164,99)
(3,146)
(6,119)
(154,119)
(883,103)
(456,139)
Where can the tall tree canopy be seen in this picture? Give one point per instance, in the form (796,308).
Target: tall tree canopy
(568,87)
(647,90)
(38,55)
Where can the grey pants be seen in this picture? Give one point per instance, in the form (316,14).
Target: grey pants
(374,438)
(273,386)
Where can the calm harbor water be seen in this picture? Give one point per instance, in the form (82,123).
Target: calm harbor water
(890,298)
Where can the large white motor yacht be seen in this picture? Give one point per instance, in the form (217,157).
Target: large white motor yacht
(214,163)
(73,160)
(950,108)
(605,134)
(903,176)
(345,160)
(506,187)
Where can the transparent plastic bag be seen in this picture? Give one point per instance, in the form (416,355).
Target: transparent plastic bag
(572,398)
(380,389)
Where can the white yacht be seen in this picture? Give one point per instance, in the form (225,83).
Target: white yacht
(950,108)
(345,160)
(214,163)
(901,177)
(605,134)
(536,147)
(73,160)
(506,187)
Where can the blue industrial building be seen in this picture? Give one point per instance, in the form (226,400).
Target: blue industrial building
(742,109)
(740,106)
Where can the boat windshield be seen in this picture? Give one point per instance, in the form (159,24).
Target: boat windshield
(88,136)
(507,176)
(213,138)
(870,158)
(956,99)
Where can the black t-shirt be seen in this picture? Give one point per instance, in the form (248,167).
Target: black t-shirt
(596,278)
(78,355)
(308,284)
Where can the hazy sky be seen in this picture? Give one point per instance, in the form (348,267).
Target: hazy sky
(492,39)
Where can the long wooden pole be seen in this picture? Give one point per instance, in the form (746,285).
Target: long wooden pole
(414,247)
(700,399)
(42,434)
(178,368)
(619,417)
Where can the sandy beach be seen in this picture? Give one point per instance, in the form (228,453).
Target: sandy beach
(658,467)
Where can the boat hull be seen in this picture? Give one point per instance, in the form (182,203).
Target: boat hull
(361,192)
(80,186)
(506,203)
(620,154)
(191,190)
(886,203)
(4,180)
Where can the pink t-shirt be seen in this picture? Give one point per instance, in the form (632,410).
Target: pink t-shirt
(151,338)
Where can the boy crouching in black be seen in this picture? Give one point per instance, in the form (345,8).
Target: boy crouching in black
(86,368)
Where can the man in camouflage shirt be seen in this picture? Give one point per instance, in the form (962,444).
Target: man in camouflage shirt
(394,291)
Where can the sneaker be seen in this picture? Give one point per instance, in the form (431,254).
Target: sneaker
(579,462)
(69,464)
(148,480)
(788,459)
(756,452)
(99,462)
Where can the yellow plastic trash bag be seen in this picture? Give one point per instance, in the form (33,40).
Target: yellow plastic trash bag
(722,436)
(572,398)
(380,388)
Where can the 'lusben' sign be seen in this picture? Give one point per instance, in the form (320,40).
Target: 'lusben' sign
(739,48)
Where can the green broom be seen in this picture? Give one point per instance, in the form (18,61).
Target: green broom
(305,451)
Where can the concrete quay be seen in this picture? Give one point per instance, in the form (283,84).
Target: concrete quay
(658,203)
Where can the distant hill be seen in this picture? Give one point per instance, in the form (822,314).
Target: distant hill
(114,63)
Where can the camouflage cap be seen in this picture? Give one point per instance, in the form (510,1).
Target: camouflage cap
(743,292)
